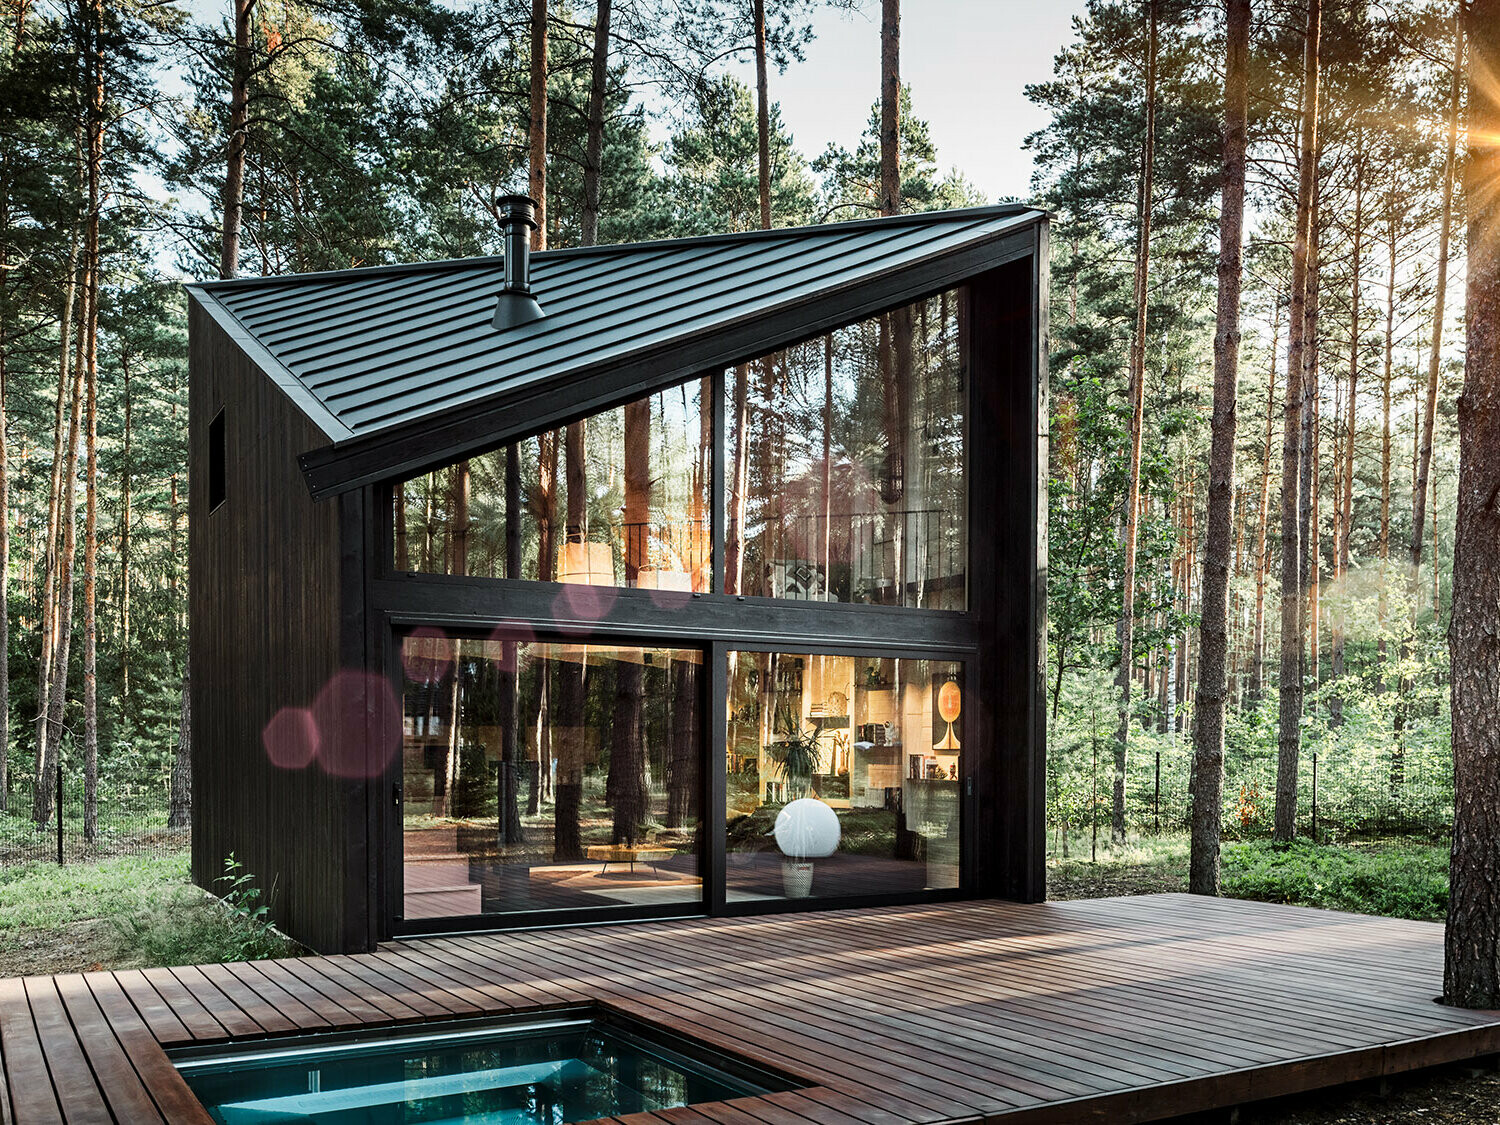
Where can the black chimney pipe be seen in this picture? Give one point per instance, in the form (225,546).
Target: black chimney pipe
(516,306)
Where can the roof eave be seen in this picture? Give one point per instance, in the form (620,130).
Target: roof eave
(469,428)
(303,399)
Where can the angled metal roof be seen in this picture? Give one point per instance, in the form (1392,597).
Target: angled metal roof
(401,369)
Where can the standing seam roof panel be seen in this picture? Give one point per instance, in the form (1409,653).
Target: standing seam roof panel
(625,311)
(386,347)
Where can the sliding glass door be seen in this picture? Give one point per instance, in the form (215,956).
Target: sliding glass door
(843,776)
(548,777)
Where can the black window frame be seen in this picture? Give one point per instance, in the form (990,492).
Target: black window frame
(218,462)
(716,623)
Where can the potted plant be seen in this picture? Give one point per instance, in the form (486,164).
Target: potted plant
(795,757)
(802,827)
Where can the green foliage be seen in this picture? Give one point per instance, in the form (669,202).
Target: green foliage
(851,180)
(145,907)
(711,182)
(795,752)
(190,928)
(1397,880)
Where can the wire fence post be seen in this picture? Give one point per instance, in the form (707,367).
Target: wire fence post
(1156,800)
(59,803)
(1315,798)
(1094,807)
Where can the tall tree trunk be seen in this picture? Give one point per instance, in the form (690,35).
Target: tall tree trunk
(545,505)
(457,563)
(1472,963)
(1344,517)
(1382,597)
(568,738)
(890,107)
(239,120)
(683,774)
(762,116)
(1311,484)
(460,485)
(91,483)
(627,757)
(1125,630)
(125,488)
(537,131)
(57,693)
(1437,570)
(1289,735)
(739,483)
(4,503)
(51,555)
(1262,552)
(182,755)
(593,160)
(1213,645)
(896,328)
(1440,293)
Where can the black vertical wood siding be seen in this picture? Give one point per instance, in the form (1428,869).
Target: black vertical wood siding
(286,591)
(265,633)
(1008,498)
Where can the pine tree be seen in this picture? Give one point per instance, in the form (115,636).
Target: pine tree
(1208,729)
(1472,950)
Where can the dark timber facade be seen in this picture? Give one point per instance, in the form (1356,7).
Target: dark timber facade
(720,589)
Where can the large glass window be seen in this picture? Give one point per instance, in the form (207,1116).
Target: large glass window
(543,776)
(846,464)
(843,775)
(548,776)
(618,499)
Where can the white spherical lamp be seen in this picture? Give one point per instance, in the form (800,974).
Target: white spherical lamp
(807,829)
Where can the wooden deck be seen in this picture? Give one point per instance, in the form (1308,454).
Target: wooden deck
(1112,1010)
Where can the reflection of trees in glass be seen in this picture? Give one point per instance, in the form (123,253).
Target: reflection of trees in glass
(846,480)
(627,764)
(672,525)
(569,734)
(632,753)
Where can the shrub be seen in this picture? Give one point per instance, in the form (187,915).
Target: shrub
(1395,880)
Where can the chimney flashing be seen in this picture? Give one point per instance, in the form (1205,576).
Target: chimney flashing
(516,305)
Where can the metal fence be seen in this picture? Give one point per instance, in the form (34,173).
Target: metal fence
(1341,794)
(132,819)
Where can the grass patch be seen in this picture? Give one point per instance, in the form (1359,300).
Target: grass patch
(1396,879)
(125,912)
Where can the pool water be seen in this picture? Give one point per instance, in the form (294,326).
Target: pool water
(574,1067)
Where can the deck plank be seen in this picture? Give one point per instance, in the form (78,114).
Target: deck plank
(189,1010)
(944,1014)
(78,1094)
(160,1077)
(156,1012)
(33,1100)
(118,1079)
(279,976)
(298,1014)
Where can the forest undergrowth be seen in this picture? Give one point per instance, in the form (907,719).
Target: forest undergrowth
(1394,878)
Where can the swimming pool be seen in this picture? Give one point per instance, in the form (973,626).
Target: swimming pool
(567,1066)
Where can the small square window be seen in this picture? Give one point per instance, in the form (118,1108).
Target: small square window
(217,490)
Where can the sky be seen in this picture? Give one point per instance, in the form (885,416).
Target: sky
(967,63)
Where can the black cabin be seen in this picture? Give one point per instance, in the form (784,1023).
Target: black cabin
(703,576)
